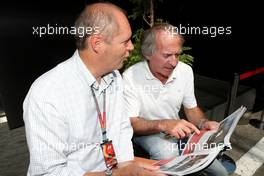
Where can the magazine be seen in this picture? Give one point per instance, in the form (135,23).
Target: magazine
(201,149)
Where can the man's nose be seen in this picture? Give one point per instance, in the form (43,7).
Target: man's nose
(174,61)
(130,46)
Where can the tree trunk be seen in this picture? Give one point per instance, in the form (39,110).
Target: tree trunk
(151,13)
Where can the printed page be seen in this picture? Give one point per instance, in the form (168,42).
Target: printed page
(209,159)
(226,128)
(210,139)
(198,142)
(231,123)
(190,163)
(201,149)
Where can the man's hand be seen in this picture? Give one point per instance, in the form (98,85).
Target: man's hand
(210,125)
(136,169)
(178,128)
(131,169)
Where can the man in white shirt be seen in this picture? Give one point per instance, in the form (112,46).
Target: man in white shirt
(74,119)
(155,90)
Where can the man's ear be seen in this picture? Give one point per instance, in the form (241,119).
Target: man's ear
(96,43)
(146,56)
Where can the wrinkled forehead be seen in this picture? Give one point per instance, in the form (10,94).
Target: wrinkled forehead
(165,39)
(122,21)
(163,34)
(124,29)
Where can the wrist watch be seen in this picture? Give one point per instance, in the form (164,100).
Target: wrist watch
(108,172)
(201,123)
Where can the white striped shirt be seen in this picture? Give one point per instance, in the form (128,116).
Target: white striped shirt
(62,127)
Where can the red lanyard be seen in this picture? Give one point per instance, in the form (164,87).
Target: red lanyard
(101,116)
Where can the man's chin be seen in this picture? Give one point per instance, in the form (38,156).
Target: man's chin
(120,66)
(123,62)
(125,59)
(168,72)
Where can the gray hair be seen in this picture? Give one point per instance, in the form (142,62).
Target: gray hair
(148,40)
(98,19)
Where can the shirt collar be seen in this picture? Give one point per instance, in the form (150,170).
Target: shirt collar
(105,81)
(87,75)
(83,70)
(148,74)
(173,75)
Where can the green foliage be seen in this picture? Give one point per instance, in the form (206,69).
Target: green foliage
(135,55)
(140,8)
(186,58)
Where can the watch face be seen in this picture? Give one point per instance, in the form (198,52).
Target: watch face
(108,172)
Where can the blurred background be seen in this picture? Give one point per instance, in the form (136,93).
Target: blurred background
(25,56)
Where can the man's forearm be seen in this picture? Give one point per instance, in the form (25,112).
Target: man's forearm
(179,128)
(139,167)
(195,115)
(116,170)
(144,127)
(94,174)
